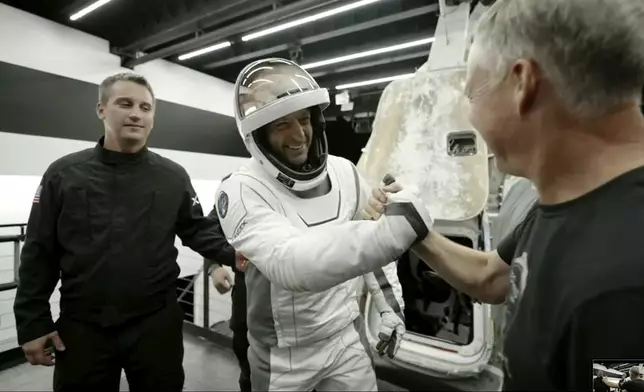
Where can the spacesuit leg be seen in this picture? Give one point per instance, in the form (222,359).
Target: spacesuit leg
(284,369)
(353,366)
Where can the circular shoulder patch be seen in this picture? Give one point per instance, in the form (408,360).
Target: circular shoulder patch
(222,205)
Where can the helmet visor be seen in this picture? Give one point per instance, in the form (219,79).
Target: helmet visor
(265,82)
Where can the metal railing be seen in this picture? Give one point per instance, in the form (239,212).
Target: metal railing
(186,294)
(16,239)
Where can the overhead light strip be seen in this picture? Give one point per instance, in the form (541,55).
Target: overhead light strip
(208,49)
(308,19)
(368,53)
(88,9)
(373,81)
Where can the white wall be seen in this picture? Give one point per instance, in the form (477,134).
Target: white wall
(30,41)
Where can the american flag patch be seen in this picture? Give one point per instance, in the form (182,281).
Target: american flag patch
(37,195)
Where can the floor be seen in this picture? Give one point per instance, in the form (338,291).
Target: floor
(208,367)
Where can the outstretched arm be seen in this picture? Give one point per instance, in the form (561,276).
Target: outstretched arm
(609,383)
(481,275)
(317,258)
(383,283)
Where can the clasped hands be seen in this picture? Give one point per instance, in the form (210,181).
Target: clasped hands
(378,200)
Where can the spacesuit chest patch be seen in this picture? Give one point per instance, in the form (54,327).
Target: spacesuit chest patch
(222,205)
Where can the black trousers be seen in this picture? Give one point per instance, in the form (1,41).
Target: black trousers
(240,330)
(149,349)
(240,348)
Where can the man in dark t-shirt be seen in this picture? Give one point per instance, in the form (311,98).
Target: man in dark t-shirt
(575,268)
(636,383)
(556,99)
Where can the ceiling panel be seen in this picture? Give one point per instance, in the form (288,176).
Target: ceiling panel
(151,25)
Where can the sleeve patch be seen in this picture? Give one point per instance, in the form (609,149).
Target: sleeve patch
(222,205)
(37,195)
(195,201)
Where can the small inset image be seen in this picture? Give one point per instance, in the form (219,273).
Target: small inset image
(618,376)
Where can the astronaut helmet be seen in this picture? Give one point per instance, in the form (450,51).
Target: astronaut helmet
(278,108)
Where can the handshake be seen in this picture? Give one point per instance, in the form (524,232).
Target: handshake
(403,209)
(408,221)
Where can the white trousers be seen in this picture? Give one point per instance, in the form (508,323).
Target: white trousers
(340,363)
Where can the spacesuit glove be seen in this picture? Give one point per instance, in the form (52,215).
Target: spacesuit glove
(407,216)
(392,329)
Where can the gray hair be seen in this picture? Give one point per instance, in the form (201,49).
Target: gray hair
(635,371)
(592,51)
(107,83)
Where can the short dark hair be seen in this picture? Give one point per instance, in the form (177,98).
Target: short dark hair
(107,83)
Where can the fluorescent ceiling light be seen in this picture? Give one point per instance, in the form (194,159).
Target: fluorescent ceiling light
(373,81)
(88,9)
(368,53)
(308,19)
(204,50)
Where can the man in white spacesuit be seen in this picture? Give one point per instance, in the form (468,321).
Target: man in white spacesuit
(293,213)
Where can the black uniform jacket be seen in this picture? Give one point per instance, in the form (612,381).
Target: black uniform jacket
(105,223)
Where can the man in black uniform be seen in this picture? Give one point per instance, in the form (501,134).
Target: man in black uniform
(598,383)
(104,221)
(554,89)
(221,280)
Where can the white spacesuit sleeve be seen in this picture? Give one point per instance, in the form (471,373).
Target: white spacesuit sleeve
(383,284)
(389,284)
(385,289)
(312,260)
(377,296)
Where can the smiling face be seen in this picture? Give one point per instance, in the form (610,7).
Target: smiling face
(290,137)
(128,115)
(505,110)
